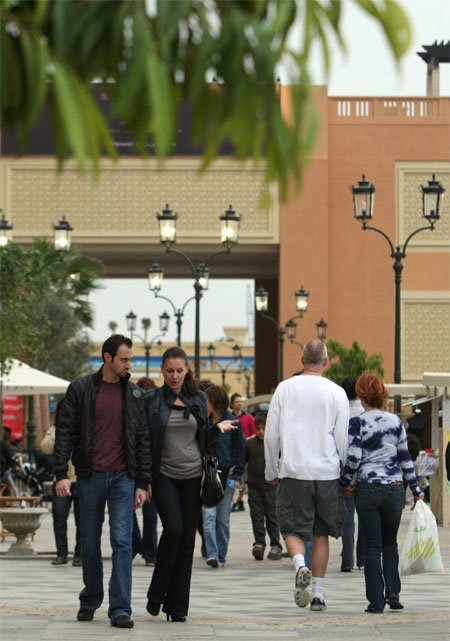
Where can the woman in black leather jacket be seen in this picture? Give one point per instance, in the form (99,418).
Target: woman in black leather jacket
(179,434)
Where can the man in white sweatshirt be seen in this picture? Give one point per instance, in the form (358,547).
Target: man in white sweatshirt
(306,439)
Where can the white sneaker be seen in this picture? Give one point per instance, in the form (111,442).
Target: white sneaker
(318,604)
(302,595)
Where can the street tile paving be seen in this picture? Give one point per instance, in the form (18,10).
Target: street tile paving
(248,599)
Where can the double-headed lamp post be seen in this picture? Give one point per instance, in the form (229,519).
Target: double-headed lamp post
(163,328)
(290,328)
(321,333)
(363,198)
(167,221)
(155,279)
(237,357)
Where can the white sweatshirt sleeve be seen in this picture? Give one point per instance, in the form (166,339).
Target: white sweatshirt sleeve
(272,437)
(341,428)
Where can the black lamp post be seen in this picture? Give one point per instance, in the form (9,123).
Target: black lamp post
(289,329)
(363,197)
(321,333)
(163,328)
(237,356)
(167,221)
(155,279)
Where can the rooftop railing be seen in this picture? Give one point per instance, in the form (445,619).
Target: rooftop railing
(388,110)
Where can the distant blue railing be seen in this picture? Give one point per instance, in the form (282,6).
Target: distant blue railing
(95,362)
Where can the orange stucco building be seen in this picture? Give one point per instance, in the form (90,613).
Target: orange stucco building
(398,143)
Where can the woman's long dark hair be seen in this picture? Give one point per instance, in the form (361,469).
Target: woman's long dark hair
(189,381)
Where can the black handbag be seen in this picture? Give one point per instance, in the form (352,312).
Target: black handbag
(211,490)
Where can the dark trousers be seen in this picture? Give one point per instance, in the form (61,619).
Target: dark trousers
(147,543)
(60,513)
(348,537)
(179,508)
(263,513)
(379,509)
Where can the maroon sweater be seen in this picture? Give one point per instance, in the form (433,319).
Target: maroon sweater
(107,447)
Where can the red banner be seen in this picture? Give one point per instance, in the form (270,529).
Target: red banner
(13,415)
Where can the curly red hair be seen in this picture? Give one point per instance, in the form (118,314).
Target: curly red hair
(371,390)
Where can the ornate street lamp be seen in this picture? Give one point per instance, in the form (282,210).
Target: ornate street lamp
(237,357)
(164,320)
(146,322)
(167,221)
(5,230)
(62,235)
(301,300)
(261,300)
(155,279)
(290,327)
(202,276)
(131,321)
(363,197)
(321,330)
(432,197)
(230,222)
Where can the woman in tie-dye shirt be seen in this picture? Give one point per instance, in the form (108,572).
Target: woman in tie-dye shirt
(377,456)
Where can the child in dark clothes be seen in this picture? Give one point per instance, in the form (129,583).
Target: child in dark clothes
(261,496)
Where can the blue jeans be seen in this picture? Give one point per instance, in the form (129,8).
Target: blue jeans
(216,526)
(117,490)
(379,509)
(348,537)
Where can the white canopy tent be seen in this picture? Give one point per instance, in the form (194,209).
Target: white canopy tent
(28,381)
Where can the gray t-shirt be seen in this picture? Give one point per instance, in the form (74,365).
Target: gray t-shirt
(180,455)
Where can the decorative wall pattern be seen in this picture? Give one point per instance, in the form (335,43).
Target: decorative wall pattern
(410,176)
(123,199)
(425,334)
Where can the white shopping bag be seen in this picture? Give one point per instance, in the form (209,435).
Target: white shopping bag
(421,549)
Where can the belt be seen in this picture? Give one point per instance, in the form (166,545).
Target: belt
(379,484)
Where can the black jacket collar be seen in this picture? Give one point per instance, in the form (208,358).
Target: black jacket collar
(98,377)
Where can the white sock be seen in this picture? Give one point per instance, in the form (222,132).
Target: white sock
(298,560)
(316,586)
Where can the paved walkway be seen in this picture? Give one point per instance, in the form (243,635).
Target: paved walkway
(248,600)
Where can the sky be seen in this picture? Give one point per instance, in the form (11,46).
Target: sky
(367,69)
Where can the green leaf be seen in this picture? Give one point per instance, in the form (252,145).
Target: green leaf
(35,57)
(394,23)
(161,97)
(40,11)
(71,112)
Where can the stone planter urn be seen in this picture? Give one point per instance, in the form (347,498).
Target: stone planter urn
(20,521)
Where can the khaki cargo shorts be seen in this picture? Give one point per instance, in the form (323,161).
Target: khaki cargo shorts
(307,508)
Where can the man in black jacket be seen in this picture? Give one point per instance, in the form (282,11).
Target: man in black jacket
(102,427)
